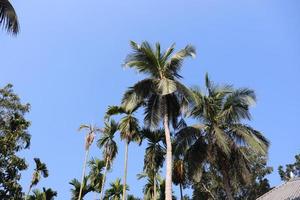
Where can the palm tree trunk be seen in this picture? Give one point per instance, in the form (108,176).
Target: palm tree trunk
(125,170)
(168,189)
(103,180)
(83,173)
(154,187)
(227,186)
(181,195)
(28,192)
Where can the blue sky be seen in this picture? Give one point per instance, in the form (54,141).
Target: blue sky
(66,63)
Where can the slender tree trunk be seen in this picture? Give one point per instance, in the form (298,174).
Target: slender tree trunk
(125,170)
(103,180)
(28,192)
(83,173)
(181,194)
(154,187)
(227,186)
(168,189)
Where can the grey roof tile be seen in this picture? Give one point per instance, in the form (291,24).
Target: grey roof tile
(290,190)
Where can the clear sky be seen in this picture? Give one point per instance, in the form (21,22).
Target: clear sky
(66,63)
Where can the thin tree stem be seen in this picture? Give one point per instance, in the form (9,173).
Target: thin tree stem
(103,180)
(181,193)
(154,187)
(125,170)
(83,173)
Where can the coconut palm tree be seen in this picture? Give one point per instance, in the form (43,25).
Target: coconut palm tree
(221,139)
(40,170)
(91,130)
(46,194)
(109,146)
(85,187)
(129,132)
(95,175)
(154,157)
(8,17)
(165,97)
(115,191)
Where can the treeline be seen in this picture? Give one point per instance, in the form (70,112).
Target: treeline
(218,157)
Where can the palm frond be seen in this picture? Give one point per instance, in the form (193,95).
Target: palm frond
(8,17)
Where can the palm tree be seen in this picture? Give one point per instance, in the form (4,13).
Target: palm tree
(46,194)
(115,191)
(91,130)
(84,187)
(95,175)
(8,17)
(180,174)
(221,139)
(110,148)
(165,97)
(129,132)
(40,170)
(154,156)
(152,184)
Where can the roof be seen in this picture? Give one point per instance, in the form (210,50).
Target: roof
(289,190)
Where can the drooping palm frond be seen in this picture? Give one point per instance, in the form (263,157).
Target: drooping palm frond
(8,17)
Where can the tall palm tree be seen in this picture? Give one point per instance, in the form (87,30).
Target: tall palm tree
(91,130)
(46,194)
(221,139)
(40,170)
(109,146)
(115,191)
(8,17)
(165,97)
(154,156)
(95,174)
(83,186)
(129,132)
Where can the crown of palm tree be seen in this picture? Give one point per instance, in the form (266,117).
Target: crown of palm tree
(148,188)
(221,136)
(8,17)
(46,194)
(128,125)
(86,188)
(115,191)
(155,150)
(107,142)
(162,89)
(40,169)
(95,175)
(91,130)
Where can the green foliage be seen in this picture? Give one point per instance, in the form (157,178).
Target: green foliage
(115,191)
(40,170)
(8,17)
(290,169)
(95,175)
(221,142)
(86,188)
(46,194)
(14,137)
(211,184)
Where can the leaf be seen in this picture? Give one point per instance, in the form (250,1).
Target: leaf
(166,86)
